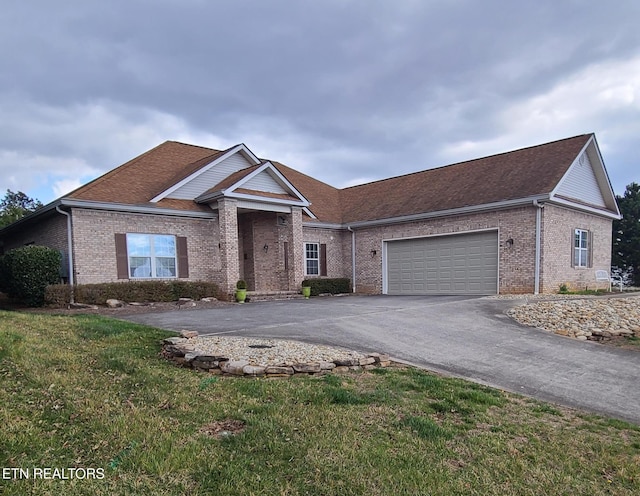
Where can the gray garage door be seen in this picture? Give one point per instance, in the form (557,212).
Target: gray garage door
(456,264)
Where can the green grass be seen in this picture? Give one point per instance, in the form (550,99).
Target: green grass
(92,392)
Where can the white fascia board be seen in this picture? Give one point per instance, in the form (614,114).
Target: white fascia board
(520,202)
(324,225)
(248,154)
(238,148)
(265,199)
(208,197)
(275,174)
(606,182)
(136,209)
(585,208)
(264,207)
(309,212)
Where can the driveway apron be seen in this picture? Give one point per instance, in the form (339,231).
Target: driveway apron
(460,336)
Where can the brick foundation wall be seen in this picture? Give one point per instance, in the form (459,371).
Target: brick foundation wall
(95,251)
(559,224)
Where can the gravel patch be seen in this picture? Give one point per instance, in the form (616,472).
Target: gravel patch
(265,352)
(595,319)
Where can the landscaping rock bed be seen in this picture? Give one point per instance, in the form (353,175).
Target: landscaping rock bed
(264,357)
(594,319)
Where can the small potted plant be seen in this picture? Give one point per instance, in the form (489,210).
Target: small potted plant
(241,291)
(306,289)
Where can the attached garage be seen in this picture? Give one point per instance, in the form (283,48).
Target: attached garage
(452,264)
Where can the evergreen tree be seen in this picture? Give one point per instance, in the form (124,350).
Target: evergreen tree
(14,206)
(626,234)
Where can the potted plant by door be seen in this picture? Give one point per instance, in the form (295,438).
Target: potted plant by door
(241,291)
(306,289)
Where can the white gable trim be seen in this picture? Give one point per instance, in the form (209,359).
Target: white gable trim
(266,168)
(241,148)
(592,151)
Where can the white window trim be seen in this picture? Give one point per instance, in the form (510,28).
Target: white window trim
(578,250)
(317,250)
(153,257)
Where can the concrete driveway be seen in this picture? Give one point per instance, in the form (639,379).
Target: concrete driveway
(460,336)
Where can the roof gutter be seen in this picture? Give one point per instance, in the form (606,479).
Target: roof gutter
(539,207)
(136,209)
(453,211)
(353,258)
(69,250)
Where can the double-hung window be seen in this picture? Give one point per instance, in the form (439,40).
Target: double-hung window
(312,259)
(151,256)
(581,248)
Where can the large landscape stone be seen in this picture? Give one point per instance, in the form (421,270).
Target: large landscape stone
(234,367)
(309,368)
(254,370)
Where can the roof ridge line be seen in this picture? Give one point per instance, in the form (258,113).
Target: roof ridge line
(467,161)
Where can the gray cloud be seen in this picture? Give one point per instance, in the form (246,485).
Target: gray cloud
(343,90)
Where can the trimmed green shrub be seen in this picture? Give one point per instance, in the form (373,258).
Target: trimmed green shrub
(331,286)
(4,275)
(140,291)
(27,271)
(57,295)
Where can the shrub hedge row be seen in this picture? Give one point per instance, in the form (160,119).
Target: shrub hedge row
(59,295)
(25,273)
(331,285)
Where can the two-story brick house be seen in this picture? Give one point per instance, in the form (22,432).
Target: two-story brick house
(519,222)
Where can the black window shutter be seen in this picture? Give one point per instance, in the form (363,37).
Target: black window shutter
(590,248)
(323,260)
(122,260)
(183,258)
(573,248)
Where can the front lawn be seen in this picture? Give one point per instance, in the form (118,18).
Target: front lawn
(93,393)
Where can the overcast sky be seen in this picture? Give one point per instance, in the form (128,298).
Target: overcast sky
(345,91)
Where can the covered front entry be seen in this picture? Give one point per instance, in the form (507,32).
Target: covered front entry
(265,251)
(260,244)
(452,264)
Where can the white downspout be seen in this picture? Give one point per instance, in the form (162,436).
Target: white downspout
(69,249)
(539,208)
(353,258)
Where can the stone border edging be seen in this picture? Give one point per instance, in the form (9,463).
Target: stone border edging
(177,349)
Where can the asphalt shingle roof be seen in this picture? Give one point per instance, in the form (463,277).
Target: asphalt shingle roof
(507,176)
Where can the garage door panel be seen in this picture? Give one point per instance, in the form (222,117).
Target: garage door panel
(455,264)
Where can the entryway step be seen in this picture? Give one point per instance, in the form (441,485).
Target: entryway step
(272,295)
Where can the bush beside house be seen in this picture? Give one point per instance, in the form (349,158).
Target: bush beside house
(26,272)
(141,291)
(330,285)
